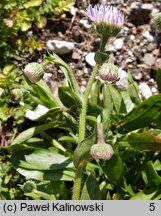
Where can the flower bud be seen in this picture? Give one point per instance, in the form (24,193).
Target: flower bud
(109,72)
(157,21)
(29,186)
(101,151)
(34,72)
(16,94)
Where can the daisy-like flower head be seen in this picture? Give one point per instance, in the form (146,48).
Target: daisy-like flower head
(108,19)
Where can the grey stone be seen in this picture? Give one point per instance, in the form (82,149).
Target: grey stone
(90,59)
(47,77)
(34,114)
(145,90)
(139,11)
(149,59)
(123,82)
(85,24)
(148,36)
(76,55)
(60,47)
(118,44)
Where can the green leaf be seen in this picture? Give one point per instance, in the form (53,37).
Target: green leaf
(116,99)
(150,194)
(58,175)
(53,113)
(53,141)
(33,131)
(82,151)
(25,26)
(133,90)
(127,100)
(90,189)
(44,94)
(107,110)
(68,139)
(144,141)
(94,108)
(114,169)
(41,159)
(158,78)
(154,180)
(33,3)
(142,115)
(66,97)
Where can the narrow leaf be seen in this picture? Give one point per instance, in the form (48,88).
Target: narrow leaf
(90,189)
(144,141)
(142,115)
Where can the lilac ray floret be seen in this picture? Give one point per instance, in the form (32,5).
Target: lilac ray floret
(104,13)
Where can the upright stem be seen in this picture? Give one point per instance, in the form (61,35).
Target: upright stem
(78,180)
(82,120)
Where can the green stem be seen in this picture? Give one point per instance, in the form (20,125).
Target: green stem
(78,180)
(82,123)
(103,43)
(71,77)
(61,63)
(82,120)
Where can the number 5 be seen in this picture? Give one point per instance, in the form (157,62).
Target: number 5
(152,206)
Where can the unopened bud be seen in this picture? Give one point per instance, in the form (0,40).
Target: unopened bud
(34,72)
(157,21)
(101,151)
(16,94)
(109,72)
(29,186)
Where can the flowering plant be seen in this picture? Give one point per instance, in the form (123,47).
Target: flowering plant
(102,140)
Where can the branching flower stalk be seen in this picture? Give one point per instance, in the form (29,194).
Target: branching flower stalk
(109,21)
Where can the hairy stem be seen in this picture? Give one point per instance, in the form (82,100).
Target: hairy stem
(78,180)
(82,120)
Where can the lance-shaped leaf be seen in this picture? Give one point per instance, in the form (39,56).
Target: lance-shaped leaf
(116,99)
(144,141)
(90,189)
(148,194)
(133,90)
(114,169)
(142,115)
(67,97)
(82,152)
(43,93)
(94,108)
(154,180)
(41,159)
(57,175)
(107,109)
